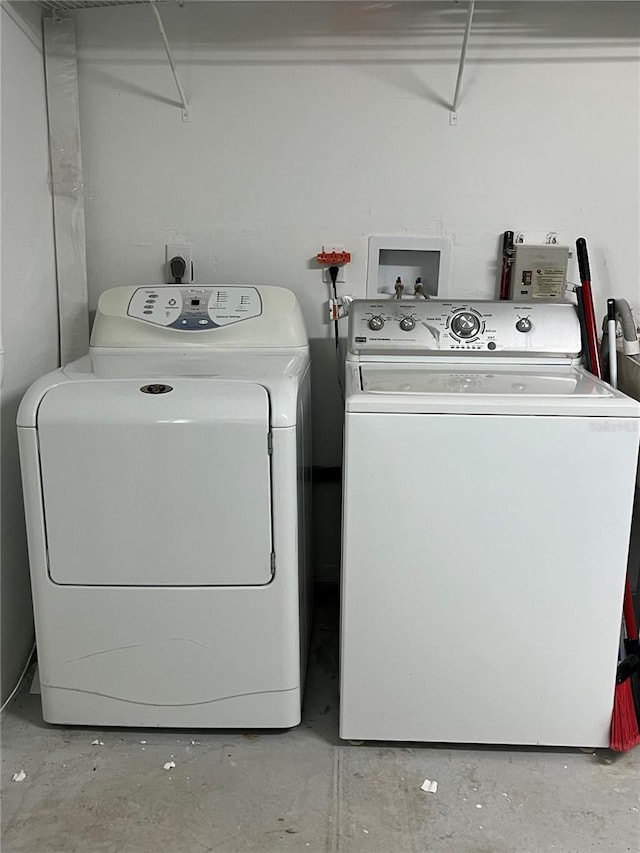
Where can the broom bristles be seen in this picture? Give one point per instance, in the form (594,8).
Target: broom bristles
(624,724)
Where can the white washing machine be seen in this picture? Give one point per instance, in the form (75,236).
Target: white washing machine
(167,486)
(488,489)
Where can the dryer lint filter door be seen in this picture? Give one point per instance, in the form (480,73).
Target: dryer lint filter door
(157,487)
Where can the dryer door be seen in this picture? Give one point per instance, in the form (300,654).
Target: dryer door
(145,486)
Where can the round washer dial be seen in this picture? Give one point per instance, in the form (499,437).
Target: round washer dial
(465,324)
(407,324)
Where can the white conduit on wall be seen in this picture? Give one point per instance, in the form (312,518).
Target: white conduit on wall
(67,186)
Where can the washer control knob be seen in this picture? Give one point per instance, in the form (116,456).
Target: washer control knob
(407,324)
(465,325)
(524,324)
(376,323)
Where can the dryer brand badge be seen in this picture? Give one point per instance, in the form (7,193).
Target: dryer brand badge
(156,388)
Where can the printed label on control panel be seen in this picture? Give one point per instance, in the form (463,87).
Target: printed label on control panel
(195,308)
(231,304)
(158,305)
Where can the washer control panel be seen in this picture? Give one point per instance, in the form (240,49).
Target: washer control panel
(195,308)
(476,327)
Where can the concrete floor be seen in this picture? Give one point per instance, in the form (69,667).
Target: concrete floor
(302,790)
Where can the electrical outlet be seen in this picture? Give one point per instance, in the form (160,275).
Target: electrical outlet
(181,250)
(327,278)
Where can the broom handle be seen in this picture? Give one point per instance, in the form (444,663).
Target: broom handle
(589,313)
(627,611)
(507,255)
(583,328)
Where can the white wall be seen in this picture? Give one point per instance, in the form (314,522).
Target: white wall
(330,122)
(29,309)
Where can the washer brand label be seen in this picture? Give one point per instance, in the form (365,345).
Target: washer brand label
(360,340)
(617,426)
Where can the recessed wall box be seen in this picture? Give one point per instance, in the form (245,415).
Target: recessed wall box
(539,272)
(408,258)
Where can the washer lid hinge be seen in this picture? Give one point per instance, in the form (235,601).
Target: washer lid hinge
(273,563)
(270,443)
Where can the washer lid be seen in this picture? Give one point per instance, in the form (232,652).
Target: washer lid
(463,389)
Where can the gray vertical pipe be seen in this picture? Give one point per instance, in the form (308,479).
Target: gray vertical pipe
(463,55)
(67,186)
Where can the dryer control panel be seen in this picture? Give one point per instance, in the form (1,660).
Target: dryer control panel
(476,327)
(195,308)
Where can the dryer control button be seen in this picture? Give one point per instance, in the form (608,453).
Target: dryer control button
(376,323)
(524,324)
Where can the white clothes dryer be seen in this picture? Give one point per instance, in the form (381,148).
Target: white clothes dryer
(167,490)
(488,491)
